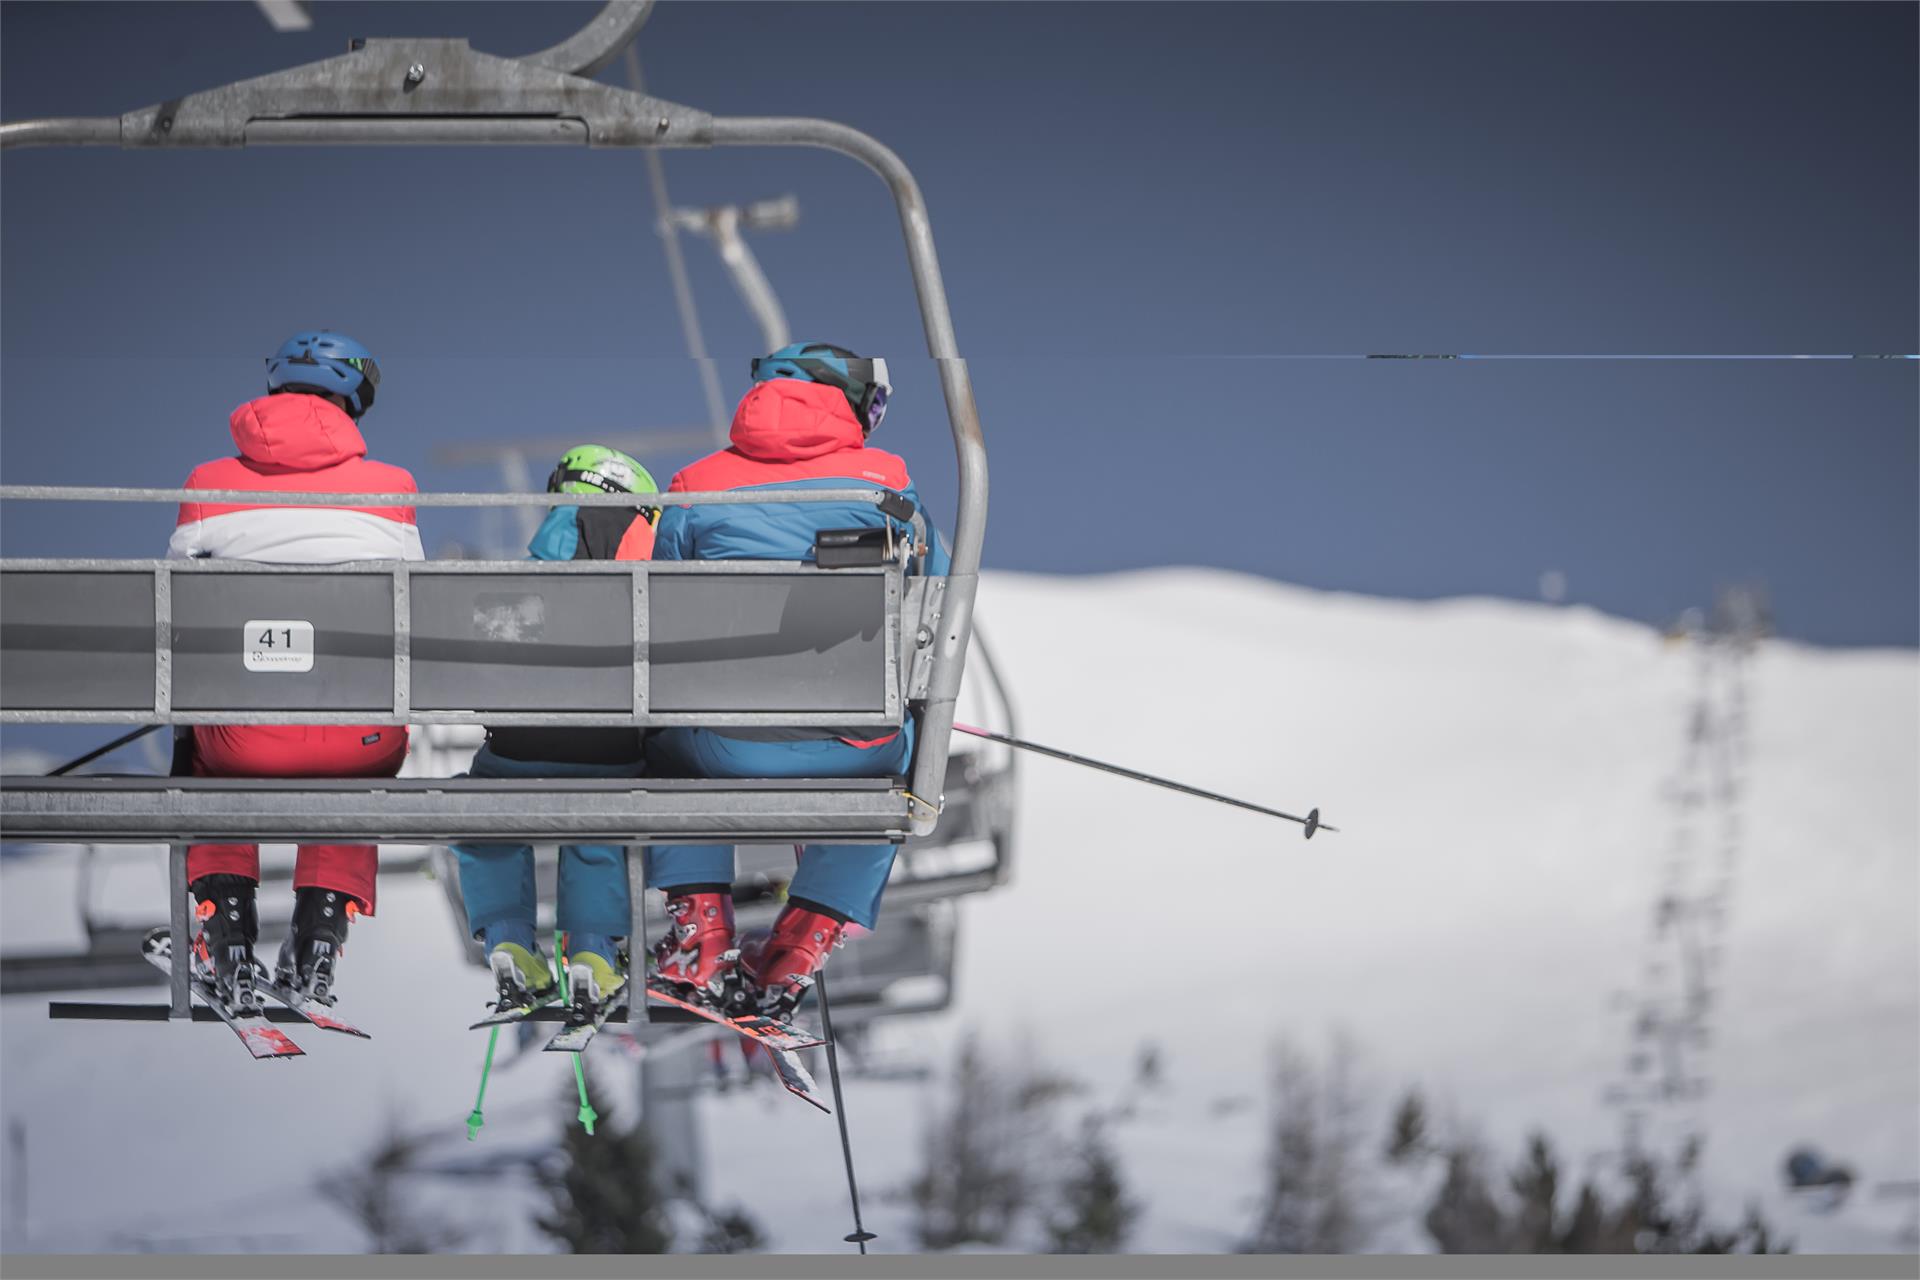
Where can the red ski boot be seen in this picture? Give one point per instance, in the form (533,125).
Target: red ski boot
(698,953)
(779,967)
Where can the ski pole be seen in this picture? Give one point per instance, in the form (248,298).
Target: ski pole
(97,752)
(587,1114)
(474,1118)
(860,1234)
(1311,821)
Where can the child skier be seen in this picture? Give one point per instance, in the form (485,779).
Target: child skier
(496,880)
(300,437)
(804,424)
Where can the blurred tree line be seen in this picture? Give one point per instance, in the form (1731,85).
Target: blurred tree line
(602,1192)
(1017,1155)
(1331,1183)
(995,1171)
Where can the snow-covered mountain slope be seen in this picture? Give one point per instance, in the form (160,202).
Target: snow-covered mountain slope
(1497,772)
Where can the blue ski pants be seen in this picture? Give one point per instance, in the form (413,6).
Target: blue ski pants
(496,880)
(846,877)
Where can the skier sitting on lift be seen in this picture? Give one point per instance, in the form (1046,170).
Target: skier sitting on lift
(496,880)
(803,425)
(300,437)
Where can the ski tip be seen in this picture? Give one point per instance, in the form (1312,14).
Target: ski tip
(341,1028)
(1313,822)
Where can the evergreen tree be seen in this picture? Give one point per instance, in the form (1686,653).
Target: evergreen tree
(985,1160)
(1338,1191)
(603,1194)
(731,1231)
(1589,1230)
(1094,1214)
(1407,1138)
(1149,1067)
(1464,1216)
(373,1193)
(1293,1145)
(1536,1184)
(1316,1182)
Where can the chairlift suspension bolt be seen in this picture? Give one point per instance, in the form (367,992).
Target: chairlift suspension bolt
(416,73)
(663,125)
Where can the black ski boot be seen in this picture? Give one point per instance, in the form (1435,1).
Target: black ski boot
(223,946)
(309,958)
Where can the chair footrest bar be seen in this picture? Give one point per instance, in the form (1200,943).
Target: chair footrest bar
(433,811)
(107,1011)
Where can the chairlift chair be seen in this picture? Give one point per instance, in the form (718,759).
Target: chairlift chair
(159,642)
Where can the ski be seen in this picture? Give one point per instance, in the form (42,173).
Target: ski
(771,1032)
(584,1022)
(318,1012)
(514,1013)
(262,1039)
(778,1038)
(795,1077)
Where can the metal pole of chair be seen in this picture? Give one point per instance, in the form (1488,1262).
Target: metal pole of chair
(180,922)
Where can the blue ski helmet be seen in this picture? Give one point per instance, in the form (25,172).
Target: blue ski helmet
(325,364)
(864,381)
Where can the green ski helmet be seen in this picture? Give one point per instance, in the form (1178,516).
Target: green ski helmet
(594,468)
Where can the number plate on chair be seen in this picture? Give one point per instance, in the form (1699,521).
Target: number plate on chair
(277,644)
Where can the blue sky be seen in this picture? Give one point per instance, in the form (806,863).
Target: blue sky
(1157,223)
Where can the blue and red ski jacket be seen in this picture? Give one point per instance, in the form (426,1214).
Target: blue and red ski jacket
(787,434)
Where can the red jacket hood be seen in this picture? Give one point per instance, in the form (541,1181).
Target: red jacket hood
(299,432)
(787,419)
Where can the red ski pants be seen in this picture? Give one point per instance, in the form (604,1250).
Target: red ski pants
(297,751)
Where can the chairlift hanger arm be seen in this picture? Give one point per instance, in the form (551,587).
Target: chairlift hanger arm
(589,51)
(409,91)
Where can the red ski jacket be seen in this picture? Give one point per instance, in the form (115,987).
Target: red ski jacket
(300,444)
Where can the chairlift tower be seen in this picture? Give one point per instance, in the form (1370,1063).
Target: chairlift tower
(1661,1097)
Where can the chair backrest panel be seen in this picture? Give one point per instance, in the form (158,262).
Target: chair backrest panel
(737,643)
(788,642)
(533,642)
(222,620)
(87,646)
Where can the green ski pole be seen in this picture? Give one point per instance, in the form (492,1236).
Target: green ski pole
(475,1120)
(587,1114)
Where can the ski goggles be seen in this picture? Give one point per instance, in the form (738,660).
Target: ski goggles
(366,366)
(599,480)
(877,398)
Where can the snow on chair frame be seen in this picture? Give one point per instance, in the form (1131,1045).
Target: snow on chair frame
(411,91)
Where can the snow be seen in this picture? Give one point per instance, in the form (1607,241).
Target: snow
(1497,772)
